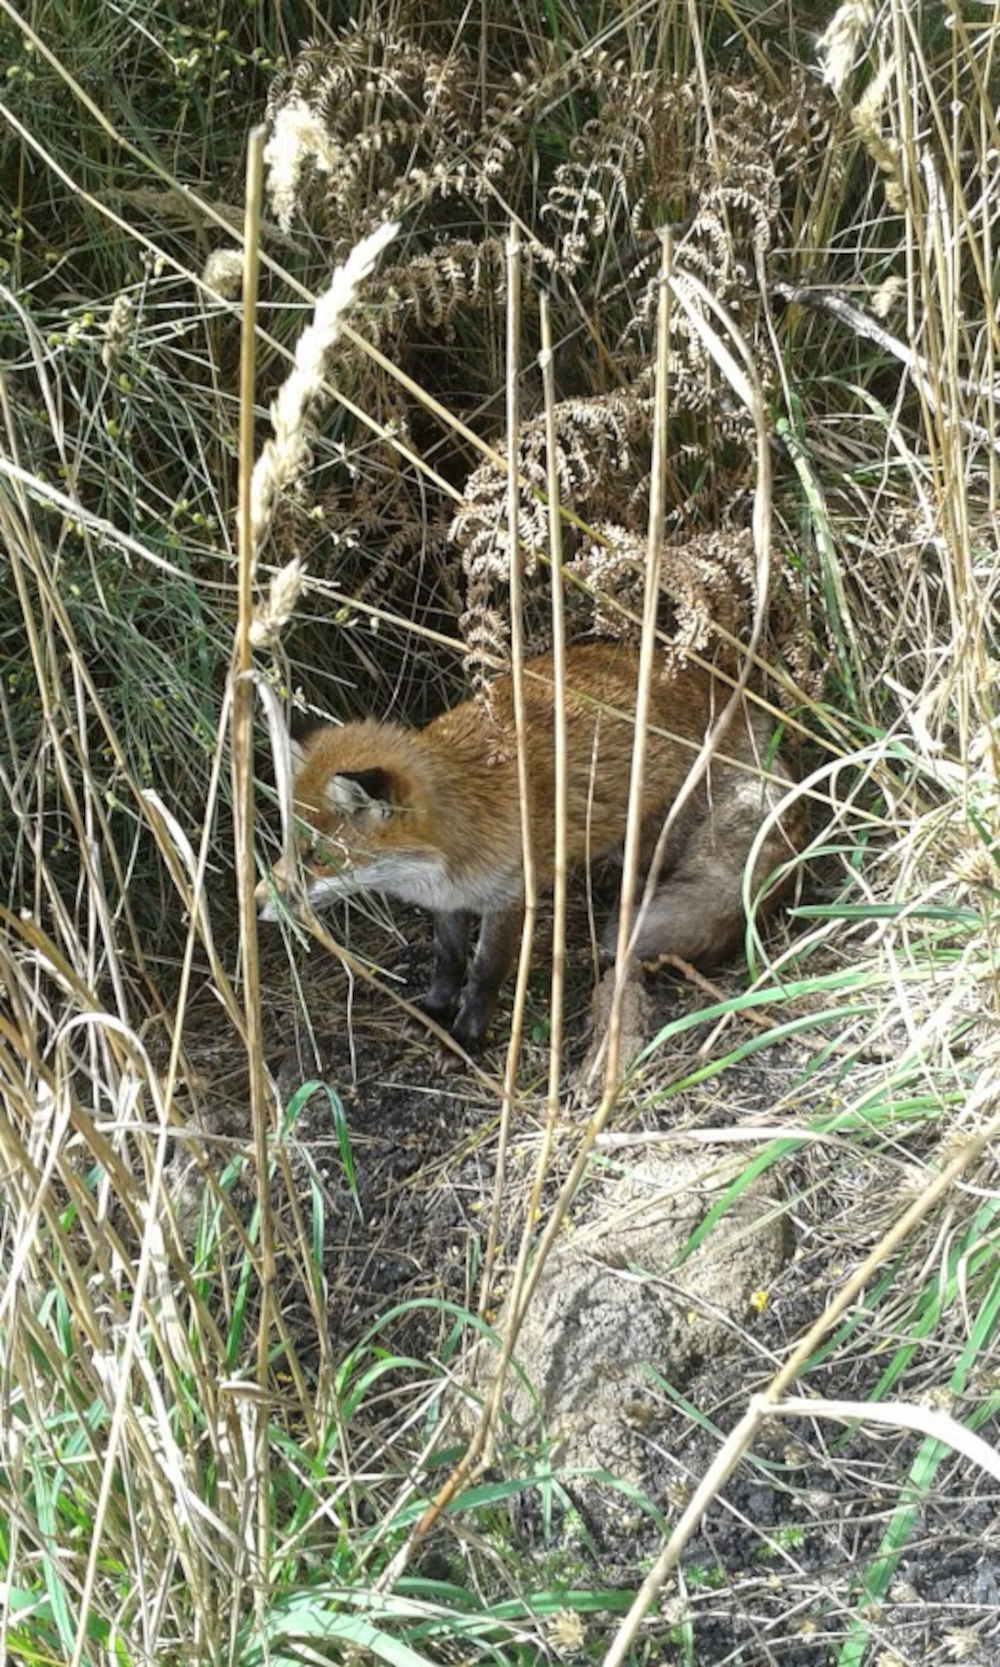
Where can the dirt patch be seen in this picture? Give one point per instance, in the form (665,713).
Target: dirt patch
(620,1306)
(774,1573)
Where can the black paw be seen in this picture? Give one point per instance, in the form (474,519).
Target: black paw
(472,1021)
(441,1009)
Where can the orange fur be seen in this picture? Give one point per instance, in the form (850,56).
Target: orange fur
(432,815)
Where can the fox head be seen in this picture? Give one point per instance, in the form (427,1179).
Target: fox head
(360,824)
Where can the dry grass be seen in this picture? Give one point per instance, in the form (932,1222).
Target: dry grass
(223,1415)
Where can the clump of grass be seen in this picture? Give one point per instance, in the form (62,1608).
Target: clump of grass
(134,1520)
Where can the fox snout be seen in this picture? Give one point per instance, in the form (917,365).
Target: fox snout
(291,886)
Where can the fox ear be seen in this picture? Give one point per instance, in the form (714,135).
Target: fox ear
(363,794)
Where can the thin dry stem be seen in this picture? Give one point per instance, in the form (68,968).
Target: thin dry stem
(515,1308)
(746,386)
(513,365)
(262,1106)
(900,1415)
(560,761)
(647,653)
(527,1279)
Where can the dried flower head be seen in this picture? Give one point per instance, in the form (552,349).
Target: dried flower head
(118,330)
(273,614)
(566,1633)
(889,293)
(961,1643)
(223,271)
(977,867)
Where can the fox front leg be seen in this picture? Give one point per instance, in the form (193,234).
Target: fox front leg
(499,937)
(452,929)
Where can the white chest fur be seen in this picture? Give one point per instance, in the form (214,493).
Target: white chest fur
(422,880)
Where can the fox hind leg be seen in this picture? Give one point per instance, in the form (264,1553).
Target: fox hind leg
(695,913)
(697,909)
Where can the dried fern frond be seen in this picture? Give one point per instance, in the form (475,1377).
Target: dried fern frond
(707,587)
(603,450)
(372,126)
(394,127)
(363,113)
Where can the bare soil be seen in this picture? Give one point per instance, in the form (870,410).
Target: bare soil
(774,1573)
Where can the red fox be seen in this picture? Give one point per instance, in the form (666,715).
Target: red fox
(432,816)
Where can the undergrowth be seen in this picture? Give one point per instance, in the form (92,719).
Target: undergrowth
(230,1344)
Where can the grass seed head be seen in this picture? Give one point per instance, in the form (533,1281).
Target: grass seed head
(287,456)
(837,47)
(298,137)
(273,615)
(223,271)
(118,330)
